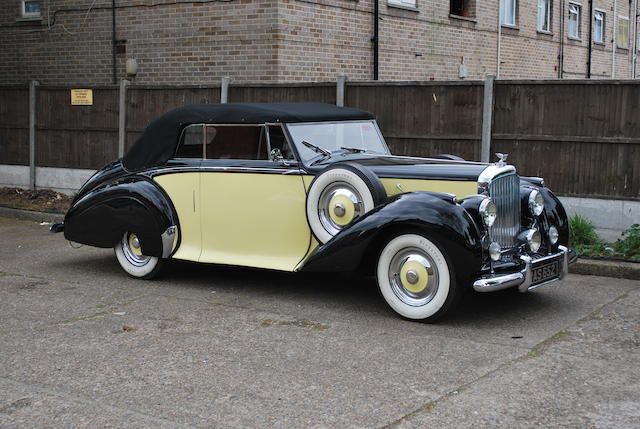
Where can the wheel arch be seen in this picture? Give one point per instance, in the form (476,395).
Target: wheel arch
(431,214)
(135,204)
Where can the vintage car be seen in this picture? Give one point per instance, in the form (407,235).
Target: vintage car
(314,187)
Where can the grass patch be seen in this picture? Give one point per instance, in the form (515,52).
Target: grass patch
(585,241)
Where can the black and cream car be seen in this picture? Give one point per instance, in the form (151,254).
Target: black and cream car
(313,187)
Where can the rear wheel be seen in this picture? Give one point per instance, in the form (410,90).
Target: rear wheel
(129,255)
(415,278)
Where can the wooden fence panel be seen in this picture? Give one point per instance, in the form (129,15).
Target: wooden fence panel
(76,136)
(582,137)
(423,119)
(145,104)
(314,92)
(14,125)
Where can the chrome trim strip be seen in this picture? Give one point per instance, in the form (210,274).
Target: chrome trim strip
(522,279)
(168,238)
(228,170)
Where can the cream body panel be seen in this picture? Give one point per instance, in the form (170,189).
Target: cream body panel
(184,191)
(256,220)
(458,188)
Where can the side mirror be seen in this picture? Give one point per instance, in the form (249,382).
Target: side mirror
(276,154)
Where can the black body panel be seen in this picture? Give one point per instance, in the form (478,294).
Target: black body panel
(102,215)
(435,215)
(406,167)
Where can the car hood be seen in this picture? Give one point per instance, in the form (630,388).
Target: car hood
(389,166)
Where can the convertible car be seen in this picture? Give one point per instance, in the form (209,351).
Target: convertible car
(314,187)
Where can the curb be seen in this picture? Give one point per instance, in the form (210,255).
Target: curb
(616,269)
(31,215)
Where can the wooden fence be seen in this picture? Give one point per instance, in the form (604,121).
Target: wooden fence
(582,136)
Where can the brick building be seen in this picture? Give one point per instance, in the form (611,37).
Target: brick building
(178,41)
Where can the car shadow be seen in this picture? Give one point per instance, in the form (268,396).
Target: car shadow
(341,290)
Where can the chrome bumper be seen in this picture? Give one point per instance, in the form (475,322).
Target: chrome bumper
(523,278)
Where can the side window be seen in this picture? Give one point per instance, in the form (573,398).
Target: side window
(279,141)
(235,142)
(191,142)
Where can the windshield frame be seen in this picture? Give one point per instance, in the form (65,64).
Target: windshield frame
(317,157)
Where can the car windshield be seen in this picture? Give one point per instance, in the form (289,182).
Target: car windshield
(311,139)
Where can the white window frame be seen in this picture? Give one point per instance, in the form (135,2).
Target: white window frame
(603,19)
(544,15)
(412,4)
(578,15)
(509,21)
(23,9)
(628,41)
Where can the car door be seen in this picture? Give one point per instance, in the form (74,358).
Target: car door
(252,201)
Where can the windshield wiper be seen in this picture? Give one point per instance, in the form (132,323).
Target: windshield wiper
(316,149)
(353,149)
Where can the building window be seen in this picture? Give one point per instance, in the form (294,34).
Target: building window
(573,29)
(31,8)
(508,12)
(403,3)
(544,15)
(464,8)
(622,38)
(598,26)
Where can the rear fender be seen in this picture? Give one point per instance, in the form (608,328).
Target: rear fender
(133,204)
(435,215)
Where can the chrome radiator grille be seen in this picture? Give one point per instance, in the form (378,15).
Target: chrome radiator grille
(505,193)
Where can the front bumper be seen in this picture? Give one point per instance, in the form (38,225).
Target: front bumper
(523,279)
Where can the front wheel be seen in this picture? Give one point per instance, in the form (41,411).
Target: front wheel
(415,278)
(129,254)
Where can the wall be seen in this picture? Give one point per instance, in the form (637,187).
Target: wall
(198,42)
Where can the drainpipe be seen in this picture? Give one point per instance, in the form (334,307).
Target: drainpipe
(376,39)
(589,60)
(113,40)
(615,28)
(561,47)
(499,47)
(634,56)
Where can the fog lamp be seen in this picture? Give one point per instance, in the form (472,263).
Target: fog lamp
(534,239)
(553,235)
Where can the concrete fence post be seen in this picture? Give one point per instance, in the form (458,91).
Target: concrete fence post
(340,89)
(487,118)
(32,133)
(224,90)
(122,117)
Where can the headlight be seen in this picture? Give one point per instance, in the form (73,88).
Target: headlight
(534,239)
(553,235)
(494,251)
(536,203)
(488,212)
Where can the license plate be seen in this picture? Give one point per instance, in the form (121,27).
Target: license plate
(544,272)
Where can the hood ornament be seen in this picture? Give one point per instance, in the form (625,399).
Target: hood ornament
(502,159)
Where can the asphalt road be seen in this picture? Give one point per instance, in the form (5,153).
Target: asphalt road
(82,345)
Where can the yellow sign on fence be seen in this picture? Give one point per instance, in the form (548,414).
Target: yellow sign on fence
(82,97)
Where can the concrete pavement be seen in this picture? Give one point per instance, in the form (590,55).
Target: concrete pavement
(83,345)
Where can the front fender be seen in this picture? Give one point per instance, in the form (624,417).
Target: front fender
(437,216)
(135,204)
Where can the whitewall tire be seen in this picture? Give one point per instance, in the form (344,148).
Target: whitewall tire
(339,195)
(415,278)
(133,262)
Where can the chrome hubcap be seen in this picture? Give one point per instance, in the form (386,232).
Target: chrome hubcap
(338,205)
(131,249)
(413,276)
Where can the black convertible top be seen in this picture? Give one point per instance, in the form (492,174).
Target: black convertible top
(158,142)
